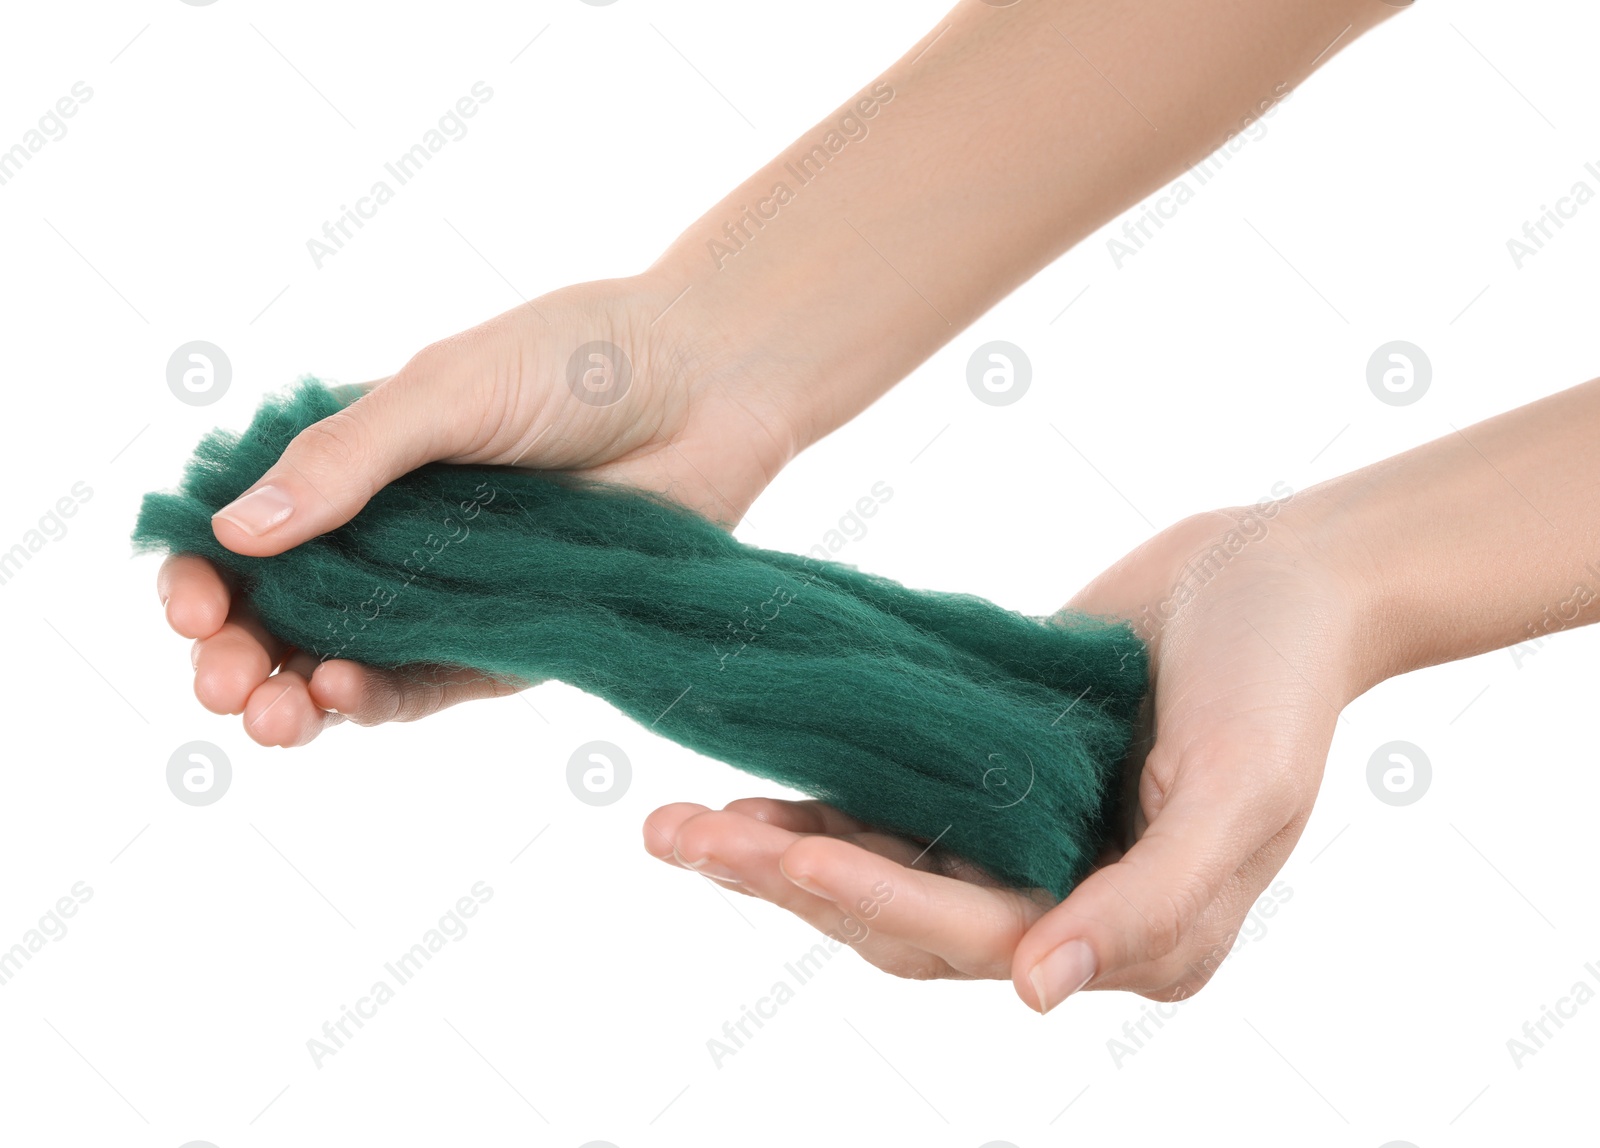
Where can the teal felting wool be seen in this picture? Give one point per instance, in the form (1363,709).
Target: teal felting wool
(936,715)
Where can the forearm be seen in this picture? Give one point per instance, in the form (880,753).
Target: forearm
(1485,538)
(996,143)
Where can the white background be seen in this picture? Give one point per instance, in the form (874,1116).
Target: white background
(1376,1007)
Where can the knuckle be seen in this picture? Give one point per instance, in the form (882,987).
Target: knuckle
(425,364)
(1285,796)
(917,966)
(1158,777)
(1013,920)
(1177,991)
(1175,910)
(504,687)
(435,699)
(748,806)
(697,837)
(380,702)
(443,366)
(1168,915)
(419,698)
(1191,967)
(1200,966)
(339,438)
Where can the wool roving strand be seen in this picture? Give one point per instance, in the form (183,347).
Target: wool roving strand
(935,715)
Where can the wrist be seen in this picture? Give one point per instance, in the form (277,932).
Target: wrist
(1346,532)
(755,339)
(713,375)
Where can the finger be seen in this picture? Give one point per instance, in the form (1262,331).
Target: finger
(280,711)
(809,817)
(748,855)
(1140,908)
(193,594)
(798,816)
(331,469)
(369,696)
(732,848)
(972,928)
(812,818)
(661,840)
(1191,965)
(661,830)
(229,665)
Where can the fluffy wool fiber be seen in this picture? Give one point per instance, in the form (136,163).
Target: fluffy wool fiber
(935,715)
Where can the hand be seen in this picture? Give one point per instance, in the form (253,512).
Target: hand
(685,425)
(1248,673)
(818,306)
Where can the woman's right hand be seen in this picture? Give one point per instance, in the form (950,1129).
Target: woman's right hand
(1250,615)
(615,380)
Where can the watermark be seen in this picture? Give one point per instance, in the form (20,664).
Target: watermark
(451,926)
(51,128)
(350,625)
(198,773)
(998,373)
(599,773)
(1557,617)
(52,926)
(451,127)
(1398,373)
(997,781)
(1399,773)
(1542,228)
(599,373)
(851,527)
(1251,527)
(1547,1025)
(198,373)
(852,930)
(748,629)
(51,527)
(1142,224)
(1137,1034)
(801,167)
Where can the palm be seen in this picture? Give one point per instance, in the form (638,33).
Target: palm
(1242,713)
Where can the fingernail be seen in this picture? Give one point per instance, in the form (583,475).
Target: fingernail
(259,511)
(1062,971)
(807,884)
(711,867)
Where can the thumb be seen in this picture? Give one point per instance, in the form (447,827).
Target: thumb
(333,467)
(1141,908)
